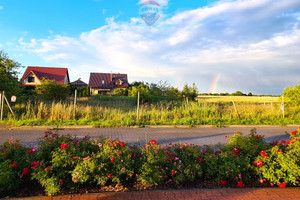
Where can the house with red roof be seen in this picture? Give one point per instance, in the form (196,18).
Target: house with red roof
(33,75)
(106,83)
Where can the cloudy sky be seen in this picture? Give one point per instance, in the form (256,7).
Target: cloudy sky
(247,45)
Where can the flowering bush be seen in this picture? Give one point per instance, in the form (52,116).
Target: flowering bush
(281,164)
(15,161)
(65,162)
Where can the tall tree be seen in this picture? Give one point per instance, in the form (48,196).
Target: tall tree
(8,75)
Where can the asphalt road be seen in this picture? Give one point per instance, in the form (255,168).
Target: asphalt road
(200,136)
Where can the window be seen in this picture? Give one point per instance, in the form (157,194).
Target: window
(30,79)
(103,82)
(119,82)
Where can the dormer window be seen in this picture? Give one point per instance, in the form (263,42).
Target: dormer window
(103,82)
(119,82)
(30,79)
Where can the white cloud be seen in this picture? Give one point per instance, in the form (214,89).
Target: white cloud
(253,44)
(1,7)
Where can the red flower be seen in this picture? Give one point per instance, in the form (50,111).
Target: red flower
(73,158)
(14,163)
(25,172)
(34,164)
(281,185)
(294,132)
(134,155)
(240,184)
(153,142)
(172,173)
(109,175)
(112,160)
(263,153)
(61,181)
(121,144)
(50,141)
(274,143)
(258,163)
(201,160)
(64,146)
(30,151)
(223,183)
(47,168)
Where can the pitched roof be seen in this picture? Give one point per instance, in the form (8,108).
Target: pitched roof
(51,73)
(79,83)
(102,80)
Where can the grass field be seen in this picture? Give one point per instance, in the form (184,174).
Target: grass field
(239,99)
(121,112)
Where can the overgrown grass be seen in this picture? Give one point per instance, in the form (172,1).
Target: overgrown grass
(121,112)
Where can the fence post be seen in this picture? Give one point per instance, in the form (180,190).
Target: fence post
(75,99)
(1,104)
(12,112)
(236,110)
(138,106)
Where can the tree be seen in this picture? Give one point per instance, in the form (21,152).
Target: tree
(190,92)
(8,75)
(51,90)
(238,93)
(173,92)
(292,95)
(120,92)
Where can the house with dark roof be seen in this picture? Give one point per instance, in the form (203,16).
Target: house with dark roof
(33,75)
(106,83)
(79,83)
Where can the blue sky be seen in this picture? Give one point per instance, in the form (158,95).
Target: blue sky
(251,45)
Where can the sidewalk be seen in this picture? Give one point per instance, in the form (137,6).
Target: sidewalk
(217,194)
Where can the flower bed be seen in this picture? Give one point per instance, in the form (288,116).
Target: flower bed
(62,163)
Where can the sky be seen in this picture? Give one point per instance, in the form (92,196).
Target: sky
(220,45)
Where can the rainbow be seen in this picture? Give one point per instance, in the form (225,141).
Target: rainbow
(214,84)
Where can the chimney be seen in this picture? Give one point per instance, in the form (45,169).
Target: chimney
(111,77)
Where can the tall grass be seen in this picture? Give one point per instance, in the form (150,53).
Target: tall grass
(114,114)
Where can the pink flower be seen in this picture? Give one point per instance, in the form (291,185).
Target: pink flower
(61,181)
(201,160)
(272,184)
(64,146)
(155,151)
(86,158)
(100,144)
(47,168)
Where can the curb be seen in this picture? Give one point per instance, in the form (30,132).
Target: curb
(53,127)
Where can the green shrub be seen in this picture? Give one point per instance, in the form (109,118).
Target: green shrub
(281,164)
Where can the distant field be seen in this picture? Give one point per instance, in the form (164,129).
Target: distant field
(238,99)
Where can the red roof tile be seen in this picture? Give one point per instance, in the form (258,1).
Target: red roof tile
(102,80)
(51,73)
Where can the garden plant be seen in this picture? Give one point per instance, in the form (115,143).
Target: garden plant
(64,163)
